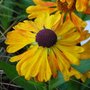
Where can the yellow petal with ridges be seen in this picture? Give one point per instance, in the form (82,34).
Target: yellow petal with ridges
(26,26)
(86,53)
(77,74)
(63,64)
(17,40)
(67,26)
(41,20)
(45,71)
(81,5)
(31,61)
(70,38)
(35,66)
(46,20)
(53,63)
(78,22)
(52,20)
(36,11)
(69,54)
(24,55)
(43,3)
(71,58)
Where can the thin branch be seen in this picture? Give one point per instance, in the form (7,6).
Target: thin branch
(10,85)
(80,83)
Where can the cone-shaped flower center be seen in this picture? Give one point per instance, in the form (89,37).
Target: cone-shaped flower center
(46,38)
(65,6)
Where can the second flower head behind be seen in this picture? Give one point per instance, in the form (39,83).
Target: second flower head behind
(52,47)
(67,9)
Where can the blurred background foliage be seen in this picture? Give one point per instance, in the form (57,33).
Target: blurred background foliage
(12,12)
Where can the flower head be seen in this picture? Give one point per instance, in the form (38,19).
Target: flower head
(66,7)
(59,5)
(52,47)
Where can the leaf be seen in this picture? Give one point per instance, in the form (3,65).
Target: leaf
(57,81)
(70,85)
(26,3)
(84,66)
(87,17)
(83,16)
(12,74)
(86,85)
(6,11)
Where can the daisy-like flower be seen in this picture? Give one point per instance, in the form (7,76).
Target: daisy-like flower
(53,47)
(67,7)
(62,5)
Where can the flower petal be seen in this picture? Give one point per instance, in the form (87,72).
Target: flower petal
(81,5)
(69,38)
(18,39)
(86,53)
(36,11)
(30,52)
(70,55)
(78,22)
(77,74)
(53,63)
(63,64)
(47,20)
(43,3)
(62,29)
(26,26)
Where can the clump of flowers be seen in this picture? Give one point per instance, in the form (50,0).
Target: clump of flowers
(51,41)
(53,47)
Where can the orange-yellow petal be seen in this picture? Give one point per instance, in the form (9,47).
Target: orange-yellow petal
(72,56)
(36,11)
(29,53)
(65,27)
(81,5)
(43,3)
(78,22)
(26,26)
(17,40)
(86,53)
(63,64)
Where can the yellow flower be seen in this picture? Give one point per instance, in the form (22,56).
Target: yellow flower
(62,5)
(67,7)
(52,47)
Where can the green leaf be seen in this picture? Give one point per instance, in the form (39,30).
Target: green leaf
(86,85)
(87,17)
(57,81)
(6,12)
(70,85)
(83,16)
(26,3)
(84,66)
(12,74)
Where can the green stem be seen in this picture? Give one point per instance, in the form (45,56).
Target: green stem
(48,86)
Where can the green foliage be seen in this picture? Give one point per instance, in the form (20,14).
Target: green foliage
(84,66)
(12,12)
(12,74)
(83,16)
